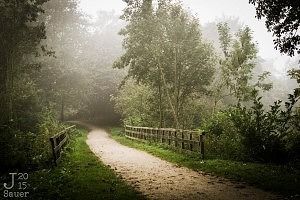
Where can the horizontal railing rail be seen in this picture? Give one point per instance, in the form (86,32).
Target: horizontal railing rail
(182,139)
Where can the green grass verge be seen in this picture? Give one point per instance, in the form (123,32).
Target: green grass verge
(80,175)
(279,179)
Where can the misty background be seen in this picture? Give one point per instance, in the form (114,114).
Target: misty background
(236,12)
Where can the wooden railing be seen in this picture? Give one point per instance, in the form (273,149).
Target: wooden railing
(58,141)
(183,139)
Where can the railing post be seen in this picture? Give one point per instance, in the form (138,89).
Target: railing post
(169,138)
(182,139)
(133,132)
(144,135)
(175,135)
(201,142)
(141,132)
(53,145)
(191,139)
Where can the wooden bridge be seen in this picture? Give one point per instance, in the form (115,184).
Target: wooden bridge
(180,139)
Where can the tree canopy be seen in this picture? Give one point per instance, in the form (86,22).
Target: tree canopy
(282,18)
(164,48)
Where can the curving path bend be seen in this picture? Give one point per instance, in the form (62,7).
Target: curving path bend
(159,179)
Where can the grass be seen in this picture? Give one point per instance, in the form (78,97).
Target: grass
(279,179)
(80,175)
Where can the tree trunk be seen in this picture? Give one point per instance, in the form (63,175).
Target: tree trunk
(160,105)
(62,116)
(176,88)
(168,95)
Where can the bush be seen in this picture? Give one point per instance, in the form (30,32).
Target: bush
(15,148)
(265,133)
(41,148)
(23,149)
(293,139)
(253,134)
(223,140)
(259,138)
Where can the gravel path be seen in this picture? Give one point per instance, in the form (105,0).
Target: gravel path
(158,179)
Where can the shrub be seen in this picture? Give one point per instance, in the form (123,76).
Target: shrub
(265,133)
(15,148)
(41,148)
(254,134)
(23,149)
(222,139)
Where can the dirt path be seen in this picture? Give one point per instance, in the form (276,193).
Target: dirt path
(158,179)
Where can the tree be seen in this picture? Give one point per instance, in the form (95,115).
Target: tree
(164,48)
(282,18)
(62,74)
(20,45)
(135,103)
(236,66)
(20,35)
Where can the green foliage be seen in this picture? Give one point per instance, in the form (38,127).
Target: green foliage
(20,35)
(165,49)
(256,127)
(134,102)
(101,49)
(28,148)
(239,61)
(295,74)
(222,138)
(293,138)
(49,64)
(195,112)
(234,81)
(283,20)
(41,148)
(265,133)
(61,75)
(255,134)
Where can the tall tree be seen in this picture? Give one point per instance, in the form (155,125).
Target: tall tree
(237,64)
(63,82)
(164,47)
(20,34)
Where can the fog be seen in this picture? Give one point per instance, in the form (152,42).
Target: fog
(210,11)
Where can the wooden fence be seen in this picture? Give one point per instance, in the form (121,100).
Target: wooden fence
(182,139)
(58,141)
